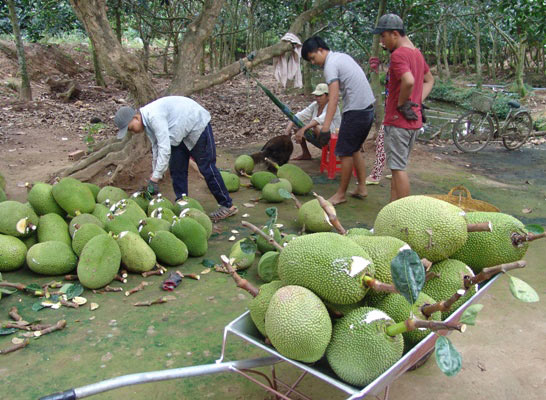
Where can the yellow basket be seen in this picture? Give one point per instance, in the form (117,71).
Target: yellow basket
(466,202)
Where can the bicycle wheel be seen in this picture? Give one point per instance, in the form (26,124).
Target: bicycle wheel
(472,131)
(517,130)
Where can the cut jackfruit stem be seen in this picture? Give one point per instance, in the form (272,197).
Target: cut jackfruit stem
(330,211)
(15,347)
(413,324)
(22,287)
(518,239)
(298,203)
(22,225)
(487,273)
(480,227)
(240,282)
(378,286)
(258,231)
(444,306)
(272,163)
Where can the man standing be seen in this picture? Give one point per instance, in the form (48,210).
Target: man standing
(179,128)
(343,75)
(410,82)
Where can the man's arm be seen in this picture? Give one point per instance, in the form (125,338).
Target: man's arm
(289,128)
(161,132)
(407,82)
(428,83)
(333,99)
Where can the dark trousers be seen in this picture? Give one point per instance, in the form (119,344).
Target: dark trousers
(204,154)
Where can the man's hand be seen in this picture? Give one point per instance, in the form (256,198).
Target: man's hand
(324,137)
(374,64)
(407,111)
(153,186)
(299,136)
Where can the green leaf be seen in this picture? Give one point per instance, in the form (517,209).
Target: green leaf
(73,291)
(7,331)
(248,246)
(1,277)
(271,211)
(65,287)
(447,357)
(285,194)
(522,291)
(33,287)
(7,291)
(207,262)
(408,274)
(37,306)
(532,228)
(470,314)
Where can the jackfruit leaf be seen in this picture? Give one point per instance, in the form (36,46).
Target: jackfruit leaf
(534,228)
(37,306)
(207,262)
(522,291)
(285,194)
(470,314)
(447,357)
(73,291)
(248,246)
(55,298)
(271,211)
(33,287)
(65,287)
(408,274)
(7,331)
(7,291)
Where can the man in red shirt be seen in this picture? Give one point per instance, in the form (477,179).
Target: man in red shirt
(410,82)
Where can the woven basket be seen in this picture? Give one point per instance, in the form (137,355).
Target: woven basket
(465,201)
(482,103)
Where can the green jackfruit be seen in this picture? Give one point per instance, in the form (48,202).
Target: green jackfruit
(53,227)
(329,264)
(192,234)
(120,223)
(130,209)
(73,196)
(313,217)
(159,202)
(298,324)
(270,191)
(114,194)
(200,217)
(17,219)
(359,232)
(142,200)
(242,257)
(42,201)
(300,180)
(268,265)
(148,225)
(168,248)
(2,182)
(3,196)
(101,212)
(30,240)
(95,189)
(82,219)
(263,245)
(186,202)
(287,238)
(84,234)
(12,253)
(163,213)
(433,228)
(261,178)
(258,305)
(99,262)
(360,349)
(136,255)
(244,163)
(231,181)
(51,258)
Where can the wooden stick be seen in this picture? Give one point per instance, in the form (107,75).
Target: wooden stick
(258,231)
(138,288)
(487,273)
(518,239)
(242,283)
(14,314)
(15,347)
(161,300)
(480,227)
(331,213)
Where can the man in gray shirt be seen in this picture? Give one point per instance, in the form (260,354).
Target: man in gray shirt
(343,74)
(178,128)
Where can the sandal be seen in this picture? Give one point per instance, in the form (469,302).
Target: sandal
(223,212)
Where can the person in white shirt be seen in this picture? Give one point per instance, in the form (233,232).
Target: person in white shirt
(313,118)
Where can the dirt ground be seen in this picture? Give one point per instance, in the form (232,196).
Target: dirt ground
(503,355)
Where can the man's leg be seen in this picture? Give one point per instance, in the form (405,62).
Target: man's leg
(400,184)
(346,170)
(305,154)
(398,145)
(178,166)
(360,167)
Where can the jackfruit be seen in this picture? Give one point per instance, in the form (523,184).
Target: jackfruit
(101,212)
(2,182)
(51,258)
(142,200)
(84,234)
(165,214)
(301,182)
(82,219)
(231,181)
(148,225)
(168,248)
(433,228)
(114,194)
(3,196)
(261,178)
(136,255)
(159,202)
(359,232)
(287,238)
(119,223)
(268,265)
(239,258)
(451,279)
(244,163)
(30,240)
(130,209)
(200,217)
(53,227)
(298,324)
(99,262)
(360,349)
(192,234)
(12,253)
(95,189)
(42,201)
(329,264)
(263,245)
(72,196)
(313,217)
(186,202)
(258,305)
(17,219)
(270,191)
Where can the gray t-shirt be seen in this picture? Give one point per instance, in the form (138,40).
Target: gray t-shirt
(355,89)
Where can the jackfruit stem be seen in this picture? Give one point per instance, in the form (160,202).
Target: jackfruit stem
(240,282)
(487,273)
(258,231)
(518,239)
(426,263)
(429,275)
(57,327)
(14,314)
(138,288)
(243,173)
(298,203)
(330,211)
(71,277)
(445,305)
(272,163)
(108,289)
(22,287)
(480,227)
(413,324)
(378,286)
(15,347)
(148,303)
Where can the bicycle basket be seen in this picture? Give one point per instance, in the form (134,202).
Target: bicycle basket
(464,200)
(482,103)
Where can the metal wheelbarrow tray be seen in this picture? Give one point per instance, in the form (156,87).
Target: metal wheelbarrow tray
(244,328)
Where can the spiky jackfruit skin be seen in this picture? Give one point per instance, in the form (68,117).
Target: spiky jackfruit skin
(433,228)
(360,349)
(231,181)
(141,200)
(268,266)
(83,235)
(101,212)
(263,245)
(42,201)
(313,218)
(30,240)
(200,217)
(451,279)
(244,163)
(301,182)
(261,178)
(130,209)
(99,262)
(397,307)
(359,232)
(11,212)
(114,194)
(120,223)
(73,196)
(136,255)
(329,264)
(51,258)
(164,213)
(95,189)
(83,219)
(168,248)
(240,259)
(270,191)
(286,239)
(486,249)
(192,234)
(258,305)
(148,225)
(52,227)
(12,253)
(159,202)
(186,202)
(298,324)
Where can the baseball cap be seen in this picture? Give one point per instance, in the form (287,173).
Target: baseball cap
(388,22)
(320,89)
(124,115)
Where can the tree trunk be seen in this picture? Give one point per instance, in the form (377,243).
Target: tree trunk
(25,92)
(307,72)
(99,79)
(375,83)
(493,56)
(445,49)
(117,13)
(438,57)
(479,78)
(520,63)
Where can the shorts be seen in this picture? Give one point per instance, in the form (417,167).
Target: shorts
(398,145)
(354,129)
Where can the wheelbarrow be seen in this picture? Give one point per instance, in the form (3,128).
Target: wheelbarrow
(244,328)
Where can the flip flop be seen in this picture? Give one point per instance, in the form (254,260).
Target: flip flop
(222,213)
(358,196)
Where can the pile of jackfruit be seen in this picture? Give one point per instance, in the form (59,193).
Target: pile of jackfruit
(79,226)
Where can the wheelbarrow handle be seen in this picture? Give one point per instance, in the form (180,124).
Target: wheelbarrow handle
(69,394)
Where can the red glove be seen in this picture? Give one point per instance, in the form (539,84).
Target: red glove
(374,64)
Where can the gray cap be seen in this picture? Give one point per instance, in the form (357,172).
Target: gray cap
(389,22)
(124,115)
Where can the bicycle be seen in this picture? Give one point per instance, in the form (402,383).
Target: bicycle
(474,129)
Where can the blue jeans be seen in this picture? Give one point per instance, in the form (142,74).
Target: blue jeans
(204,154)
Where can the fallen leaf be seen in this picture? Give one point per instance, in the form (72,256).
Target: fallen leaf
(527,211)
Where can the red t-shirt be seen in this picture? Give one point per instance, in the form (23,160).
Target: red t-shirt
(404,59)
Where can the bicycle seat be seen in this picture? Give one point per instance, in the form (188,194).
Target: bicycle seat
(514,104)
